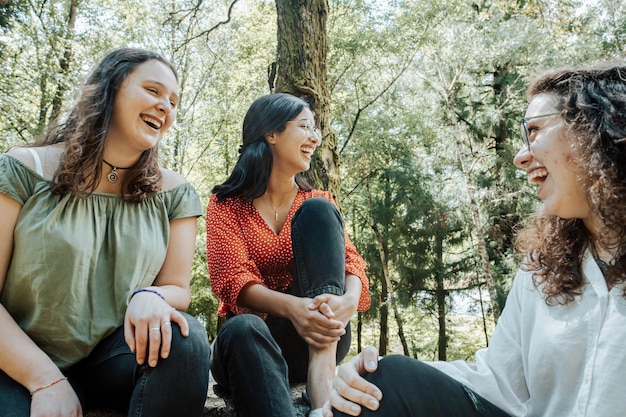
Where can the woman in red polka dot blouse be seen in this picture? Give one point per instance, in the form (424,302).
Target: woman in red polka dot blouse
(287,276)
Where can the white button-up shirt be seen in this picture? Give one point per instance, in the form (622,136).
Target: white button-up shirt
(554,361)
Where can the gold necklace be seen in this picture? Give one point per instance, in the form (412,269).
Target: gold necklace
(276,210)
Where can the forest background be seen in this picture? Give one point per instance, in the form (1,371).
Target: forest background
(419,102)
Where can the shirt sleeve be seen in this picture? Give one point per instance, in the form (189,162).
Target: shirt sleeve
(230,267)
(355,264)
(183,201)
(498,374)
(16,180)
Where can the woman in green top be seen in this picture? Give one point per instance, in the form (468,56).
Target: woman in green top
(95,257)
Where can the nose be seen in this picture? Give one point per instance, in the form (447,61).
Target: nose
(523,158)
(165,106)
(316,135)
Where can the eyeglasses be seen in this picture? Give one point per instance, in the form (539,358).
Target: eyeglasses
(524,127)
(312,132)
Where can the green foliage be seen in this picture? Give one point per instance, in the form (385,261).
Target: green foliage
(426,101)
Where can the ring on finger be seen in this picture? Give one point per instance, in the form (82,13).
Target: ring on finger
(155,329)
(166,323)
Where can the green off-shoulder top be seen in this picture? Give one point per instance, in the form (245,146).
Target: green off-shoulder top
(76,261)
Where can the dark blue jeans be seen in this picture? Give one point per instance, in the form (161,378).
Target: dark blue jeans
(255,360)
(414,389)
(110,378)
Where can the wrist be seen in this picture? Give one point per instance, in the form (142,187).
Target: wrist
(48,385)
(147,290)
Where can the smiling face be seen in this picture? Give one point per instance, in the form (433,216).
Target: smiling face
(549,162)
(143,110)
(293,148)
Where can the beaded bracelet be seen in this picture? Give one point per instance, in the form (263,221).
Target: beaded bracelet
(146,290)
(33,392)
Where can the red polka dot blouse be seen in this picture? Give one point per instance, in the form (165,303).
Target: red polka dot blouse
(241,249)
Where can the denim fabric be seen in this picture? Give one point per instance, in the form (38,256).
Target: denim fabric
(255,360)
(414,389)
(110,378)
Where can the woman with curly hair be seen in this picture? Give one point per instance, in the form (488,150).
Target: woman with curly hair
(96,254)
(558,348)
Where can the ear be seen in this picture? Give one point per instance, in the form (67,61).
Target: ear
(271,138)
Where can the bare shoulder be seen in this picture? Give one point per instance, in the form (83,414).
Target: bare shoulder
(171,179)
(23,155)
(48,156)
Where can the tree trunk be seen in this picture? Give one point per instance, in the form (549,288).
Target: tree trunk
(65,61)
(391,297)
(440,292)
(301,70)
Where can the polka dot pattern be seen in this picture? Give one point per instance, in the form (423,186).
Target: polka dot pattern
(242,249)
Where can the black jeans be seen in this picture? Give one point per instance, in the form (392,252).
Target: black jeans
(414,389)
(110,378)
(255,360)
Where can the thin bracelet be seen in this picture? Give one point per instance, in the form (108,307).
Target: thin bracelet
(33,392)
(146,290)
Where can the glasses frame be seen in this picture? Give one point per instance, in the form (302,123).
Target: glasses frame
(524,127)
(310,131)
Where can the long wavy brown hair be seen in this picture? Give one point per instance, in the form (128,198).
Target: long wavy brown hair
(85,130)
(592,101)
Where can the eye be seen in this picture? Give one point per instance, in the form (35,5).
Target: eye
(173,104)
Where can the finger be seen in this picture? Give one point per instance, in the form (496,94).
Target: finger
(154,336)
(320,321)
(317,300)
(320,340)
(327,410)
(343,405)
(166,338)
(141,343)
(350,384)
(357,393)
(178,318)
(325,309)
(129,334)
(370,358)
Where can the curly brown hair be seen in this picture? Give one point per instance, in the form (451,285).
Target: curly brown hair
(592,101)
(85,130)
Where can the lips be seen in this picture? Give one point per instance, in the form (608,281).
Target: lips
(537,175)
(151,121)
(307,150)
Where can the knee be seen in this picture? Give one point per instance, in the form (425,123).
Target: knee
(391,369)
(195,346)
(240,329)
(318,210)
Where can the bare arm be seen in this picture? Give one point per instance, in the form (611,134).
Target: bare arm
(316,329)
(20,357)
(148,311)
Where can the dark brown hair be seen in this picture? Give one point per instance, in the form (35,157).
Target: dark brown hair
(85,130)
(592,101)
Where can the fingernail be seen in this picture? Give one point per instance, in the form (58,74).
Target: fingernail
(153,363)
(373,404)
(371,364)
(355,409)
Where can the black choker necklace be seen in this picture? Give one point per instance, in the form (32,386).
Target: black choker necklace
(112,176)
(604,267)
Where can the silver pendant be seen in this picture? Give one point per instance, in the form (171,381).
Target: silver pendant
(113,177)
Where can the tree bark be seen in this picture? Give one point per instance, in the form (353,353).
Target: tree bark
(301,69)
(65,61)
